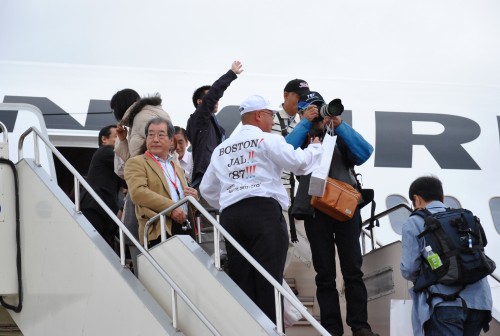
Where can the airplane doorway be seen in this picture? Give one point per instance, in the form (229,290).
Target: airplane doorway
(80,159)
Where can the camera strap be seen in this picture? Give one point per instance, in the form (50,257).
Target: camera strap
(291,220)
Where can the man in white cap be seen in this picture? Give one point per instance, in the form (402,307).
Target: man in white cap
(243,181)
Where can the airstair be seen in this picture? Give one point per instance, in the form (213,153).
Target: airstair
(59,277)
(68,281)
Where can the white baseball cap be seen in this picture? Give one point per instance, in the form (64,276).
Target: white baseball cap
(256,103)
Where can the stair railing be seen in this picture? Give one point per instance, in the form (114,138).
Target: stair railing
(279,291)
(370,225)
(79,180)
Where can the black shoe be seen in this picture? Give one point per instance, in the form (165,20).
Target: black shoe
(364,332)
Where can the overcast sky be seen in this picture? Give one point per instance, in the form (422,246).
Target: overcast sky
(426,40)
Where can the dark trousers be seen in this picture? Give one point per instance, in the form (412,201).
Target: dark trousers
(103,224)
(324,233)
(258,225)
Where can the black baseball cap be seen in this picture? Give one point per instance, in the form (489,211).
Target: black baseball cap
(310,98)
(298,86)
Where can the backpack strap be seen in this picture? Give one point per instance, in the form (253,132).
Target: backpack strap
(448,297)
(424,213)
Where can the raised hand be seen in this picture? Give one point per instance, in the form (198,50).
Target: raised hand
(237,67)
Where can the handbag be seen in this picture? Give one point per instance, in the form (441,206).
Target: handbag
(339,201)
(319,176)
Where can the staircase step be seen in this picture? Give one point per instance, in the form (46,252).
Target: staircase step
(10,330)
(7,325)
(290,282)
(307,301)
(304,322)
(208,229)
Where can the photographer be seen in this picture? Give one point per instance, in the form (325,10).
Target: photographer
(324,232)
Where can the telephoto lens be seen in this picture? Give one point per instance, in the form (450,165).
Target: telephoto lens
(332,109)
(335,107)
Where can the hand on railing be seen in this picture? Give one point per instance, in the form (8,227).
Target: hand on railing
(188,191)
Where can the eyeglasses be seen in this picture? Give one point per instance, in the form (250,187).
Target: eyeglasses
(160,136)
(268,112)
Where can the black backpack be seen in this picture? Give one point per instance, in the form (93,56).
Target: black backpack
(457,236)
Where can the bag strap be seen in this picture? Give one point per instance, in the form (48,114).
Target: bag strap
(284,129)
(424,213)
(447,297)
(291,219)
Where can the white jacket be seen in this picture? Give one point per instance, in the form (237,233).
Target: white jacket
(250,164)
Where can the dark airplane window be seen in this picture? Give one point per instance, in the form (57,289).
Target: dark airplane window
(398,217)
(452,202)
(495,212)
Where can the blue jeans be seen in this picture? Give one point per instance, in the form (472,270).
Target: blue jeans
(456,321)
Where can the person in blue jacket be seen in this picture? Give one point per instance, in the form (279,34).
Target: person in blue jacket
(325,233)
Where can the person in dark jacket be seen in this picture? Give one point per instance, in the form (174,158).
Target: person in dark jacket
(203,130)
(106,184)
(326,234)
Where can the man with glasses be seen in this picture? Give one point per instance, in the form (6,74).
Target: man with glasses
(155,182)
(243,181)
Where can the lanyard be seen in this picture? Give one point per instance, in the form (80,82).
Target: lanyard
(174,181)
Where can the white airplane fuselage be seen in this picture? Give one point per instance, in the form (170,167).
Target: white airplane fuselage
(426,96)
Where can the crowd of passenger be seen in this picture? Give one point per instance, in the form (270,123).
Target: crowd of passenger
(250,178)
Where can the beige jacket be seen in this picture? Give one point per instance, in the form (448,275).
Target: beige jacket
(149,191)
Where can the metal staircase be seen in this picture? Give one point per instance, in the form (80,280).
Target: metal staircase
(74,283)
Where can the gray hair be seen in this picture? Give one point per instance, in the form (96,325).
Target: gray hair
(157,121)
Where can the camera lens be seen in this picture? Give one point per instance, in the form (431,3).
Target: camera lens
(335,108)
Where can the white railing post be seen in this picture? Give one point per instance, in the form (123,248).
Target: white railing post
(217,249)
(279,312)
(36,149)
(122,248)
(163,227)
(198,226)
(77,195)
(174,308)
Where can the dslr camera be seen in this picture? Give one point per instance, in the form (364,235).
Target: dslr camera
(333,108)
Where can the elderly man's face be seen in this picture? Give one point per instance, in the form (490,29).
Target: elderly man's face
(157,141)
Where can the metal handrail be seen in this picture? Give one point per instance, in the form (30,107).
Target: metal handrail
(387,212)
(278,288)
(370,225)
(4,132)
(123,229)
